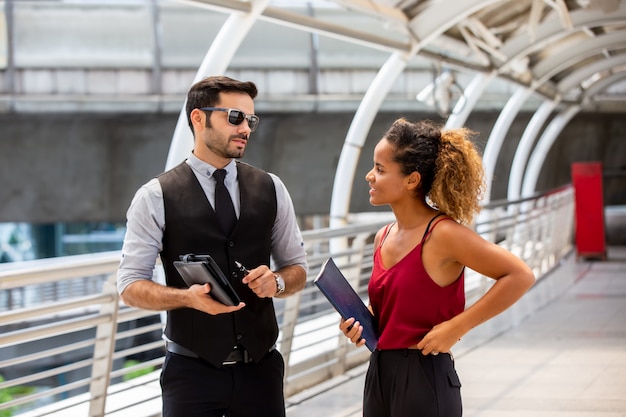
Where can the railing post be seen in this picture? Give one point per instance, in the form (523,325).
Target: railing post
(103,351)
(290,318)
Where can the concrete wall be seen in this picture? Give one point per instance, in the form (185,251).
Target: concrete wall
(87,167)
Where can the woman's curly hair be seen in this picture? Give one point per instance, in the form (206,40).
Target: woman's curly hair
(451,169)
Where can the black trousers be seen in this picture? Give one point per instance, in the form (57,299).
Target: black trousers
(192,387)
(405,383)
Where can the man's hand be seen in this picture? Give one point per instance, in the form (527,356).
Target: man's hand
(201,300)
(261,281)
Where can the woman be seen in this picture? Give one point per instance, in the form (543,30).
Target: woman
(433,181)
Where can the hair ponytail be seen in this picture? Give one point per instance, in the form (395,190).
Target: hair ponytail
(459,180)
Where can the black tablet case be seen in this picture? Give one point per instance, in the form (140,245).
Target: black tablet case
(200,269)
(333,284)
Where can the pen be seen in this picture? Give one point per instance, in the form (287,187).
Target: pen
(244,271)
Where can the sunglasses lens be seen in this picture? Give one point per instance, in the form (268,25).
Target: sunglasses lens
(253,122)
(235,117)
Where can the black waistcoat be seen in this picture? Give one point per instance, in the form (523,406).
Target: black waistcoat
(192,227)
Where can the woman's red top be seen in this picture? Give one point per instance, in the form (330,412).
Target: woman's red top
(405,299)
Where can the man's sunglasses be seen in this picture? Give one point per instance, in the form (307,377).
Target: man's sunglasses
(236,117)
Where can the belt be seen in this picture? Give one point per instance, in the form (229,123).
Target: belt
(237,355)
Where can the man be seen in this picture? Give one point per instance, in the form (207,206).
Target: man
(220,360)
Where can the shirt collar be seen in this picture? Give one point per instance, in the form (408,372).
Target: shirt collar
(208,169)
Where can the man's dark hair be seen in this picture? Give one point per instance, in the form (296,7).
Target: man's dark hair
(206,92)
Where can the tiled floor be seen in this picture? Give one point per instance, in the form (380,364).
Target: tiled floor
(567,357)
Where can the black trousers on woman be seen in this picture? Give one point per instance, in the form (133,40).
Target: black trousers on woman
(405,383)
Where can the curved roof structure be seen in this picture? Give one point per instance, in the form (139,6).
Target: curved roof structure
(573,51)
(571,54)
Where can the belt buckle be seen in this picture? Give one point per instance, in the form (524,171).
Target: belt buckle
(231,362)
(244,357)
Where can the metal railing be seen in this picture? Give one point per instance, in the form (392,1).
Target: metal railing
(65,334)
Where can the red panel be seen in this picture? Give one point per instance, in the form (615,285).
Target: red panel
(588,187)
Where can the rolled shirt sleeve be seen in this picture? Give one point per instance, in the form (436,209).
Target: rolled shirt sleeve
(145,223)
(287,243)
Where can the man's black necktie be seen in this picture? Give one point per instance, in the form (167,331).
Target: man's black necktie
(223,203)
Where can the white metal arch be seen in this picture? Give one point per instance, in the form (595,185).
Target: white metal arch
(525,146)
(431,22)
(463,108)
(538,120)
(435,19)
(550,31)
(544,144)
(568,57)
(603,84)
(498,134)
(542,114)
(357,133)
(575,78)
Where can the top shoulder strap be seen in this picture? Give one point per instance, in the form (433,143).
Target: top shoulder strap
(387,230)
(429,224)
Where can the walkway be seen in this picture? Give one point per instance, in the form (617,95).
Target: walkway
(566,360)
